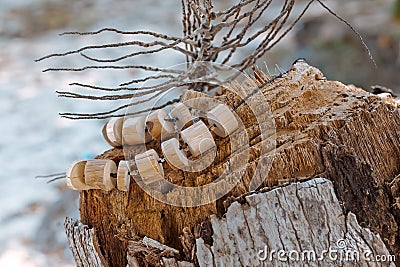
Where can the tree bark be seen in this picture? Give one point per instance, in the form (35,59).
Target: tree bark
(307,221)
(304,221)
(83,243)
(323,129)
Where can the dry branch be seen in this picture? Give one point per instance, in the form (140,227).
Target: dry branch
(208,35)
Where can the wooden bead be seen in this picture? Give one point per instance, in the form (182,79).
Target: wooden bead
(224,121)
(182,115)
(198,138)
(112,131)
(174,155)
(197,99)
(98,174)
(385,96)
(149,167)
(76,176)
(158,127)
(104,132)
(123,176)
(134,131)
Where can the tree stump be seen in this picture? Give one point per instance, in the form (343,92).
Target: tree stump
(323,129)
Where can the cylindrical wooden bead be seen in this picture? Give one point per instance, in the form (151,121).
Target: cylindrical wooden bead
(182,115)
(158,127)
(198,138)
(76,176)
(224,121)
(123,176)
(173,154)
(387,96)
(104,132)
(134,131)
(149,167)
(113,132)
(98,174)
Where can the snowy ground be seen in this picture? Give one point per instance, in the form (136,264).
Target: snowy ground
(34,139)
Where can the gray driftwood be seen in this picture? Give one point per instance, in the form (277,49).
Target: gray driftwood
(303,219)
(83,243)
(297,218)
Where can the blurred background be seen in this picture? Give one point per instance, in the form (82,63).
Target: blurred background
(35,140)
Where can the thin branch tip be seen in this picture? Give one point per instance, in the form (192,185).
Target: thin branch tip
(208,35)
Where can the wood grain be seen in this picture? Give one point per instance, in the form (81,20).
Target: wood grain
(323,129)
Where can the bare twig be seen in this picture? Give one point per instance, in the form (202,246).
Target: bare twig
(208,35)
(49,175)
(351,28)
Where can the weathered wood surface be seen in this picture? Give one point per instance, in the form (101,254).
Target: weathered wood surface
(83,244)
(148,252)
(323,129)
(302,219)
(297,219)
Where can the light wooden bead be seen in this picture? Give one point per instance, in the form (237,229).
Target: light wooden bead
(123,176)
(113,131)
(104,132)
(98,174)
(198,138)
(145,154)
(76,176)
(182,115)
(158,127)
(134,131)
(223,119)
(148,166)
(174,155)
(387,96)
